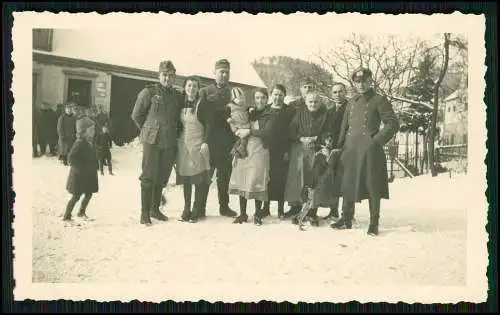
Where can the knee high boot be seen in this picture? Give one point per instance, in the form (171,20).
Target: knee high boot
(146,199)
(155,204)
(374,204)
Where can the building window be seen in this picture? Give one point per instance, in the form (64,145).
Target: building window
(42,39)
(449,109)
(454,108)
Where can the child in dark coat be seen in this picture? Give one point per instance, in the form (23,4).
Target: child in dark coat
(103,146)
(82,179)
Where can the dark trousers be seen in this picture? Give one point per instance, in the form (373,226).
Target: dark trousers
(71,204)
(157,164)
(223,166)
(43,142)
(104,158)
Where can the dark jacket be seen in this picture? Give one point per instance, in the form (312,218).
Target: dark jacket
(335,116)
(266,120)
(83,172)
(47,125)
(103,142)
(157,114)
(66,129)
(214,112)
(363,160)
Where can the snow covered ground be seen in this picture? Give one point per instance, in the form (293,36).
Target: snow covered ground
(422,237)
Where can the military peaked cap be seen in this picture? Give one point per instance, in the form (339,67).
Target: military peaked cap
(222,63)
(361,74)
(166,66)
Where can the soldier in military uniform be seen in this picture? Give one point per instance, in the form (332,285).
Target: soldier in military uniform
(363,166)
(214,112)
(156,113)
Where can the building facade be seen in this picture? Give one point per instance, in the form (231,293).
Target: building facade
(59,79)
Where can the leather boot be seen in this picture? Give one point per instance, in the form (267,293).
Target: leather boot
(334,211)
(224,210)
(155,204)
(146,196)
(345,221)
(374,216)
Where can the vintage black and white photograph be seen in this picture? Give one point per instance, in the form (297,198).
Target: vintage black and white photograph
(238,157)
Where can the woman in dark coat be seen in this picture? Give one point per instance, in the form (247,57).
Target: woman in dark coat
(363,161)
(307,129)
(279,145)
(66,130)
(82,179)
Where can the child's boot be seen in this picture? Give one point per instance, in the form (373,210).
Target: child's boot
(83,208)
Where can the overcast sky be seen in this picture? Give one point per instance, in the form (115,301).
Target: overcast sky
(195,42)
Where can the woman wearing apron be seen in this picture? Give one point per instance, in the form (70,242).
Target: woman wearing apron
(250,175)
(193,163)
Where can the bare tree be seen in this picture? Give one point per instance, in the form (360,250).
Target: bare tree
(389,57)
(442,73)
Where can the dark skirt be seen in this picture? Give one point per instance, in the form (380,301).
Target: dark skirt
(277,175)
(200,178)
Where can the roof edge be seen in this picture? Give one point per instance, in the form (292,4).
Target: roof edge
(48,58)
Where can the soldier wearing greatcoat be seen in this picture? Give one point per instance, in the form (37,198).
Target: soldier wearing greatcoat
(157,113)
(363,166)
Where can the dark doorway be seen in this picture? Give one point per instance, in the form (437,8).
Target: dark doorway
(80,92)
(123,96)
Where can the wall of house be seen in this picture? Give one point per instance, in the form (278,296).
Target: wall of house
(455,123)
(52,83)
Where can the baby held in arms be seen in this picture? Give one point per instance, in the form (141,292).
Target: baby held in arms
(239,119)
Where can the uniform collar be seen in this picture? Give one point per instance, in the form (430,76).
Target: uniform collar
(369,94)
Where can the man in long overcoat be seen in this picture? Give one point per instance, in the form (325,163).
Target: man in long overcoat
(214,111)
(47,128)
(363,165)
(157,113)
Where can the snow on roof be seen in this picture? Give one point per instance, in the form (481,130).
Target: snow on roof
(138,48)
(452,96)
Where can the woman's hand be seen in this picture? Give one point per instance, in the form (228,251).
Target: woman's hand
(242,133)
(204,148)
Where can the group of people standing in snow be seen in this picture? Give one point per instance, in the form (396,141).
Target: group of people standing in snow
(260,151)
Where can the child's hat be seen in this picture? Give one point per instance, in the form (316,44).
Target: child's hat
(237,95)
(83,124)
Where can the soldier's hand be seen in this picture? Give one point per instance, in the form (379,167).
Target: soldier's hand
(286,157)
